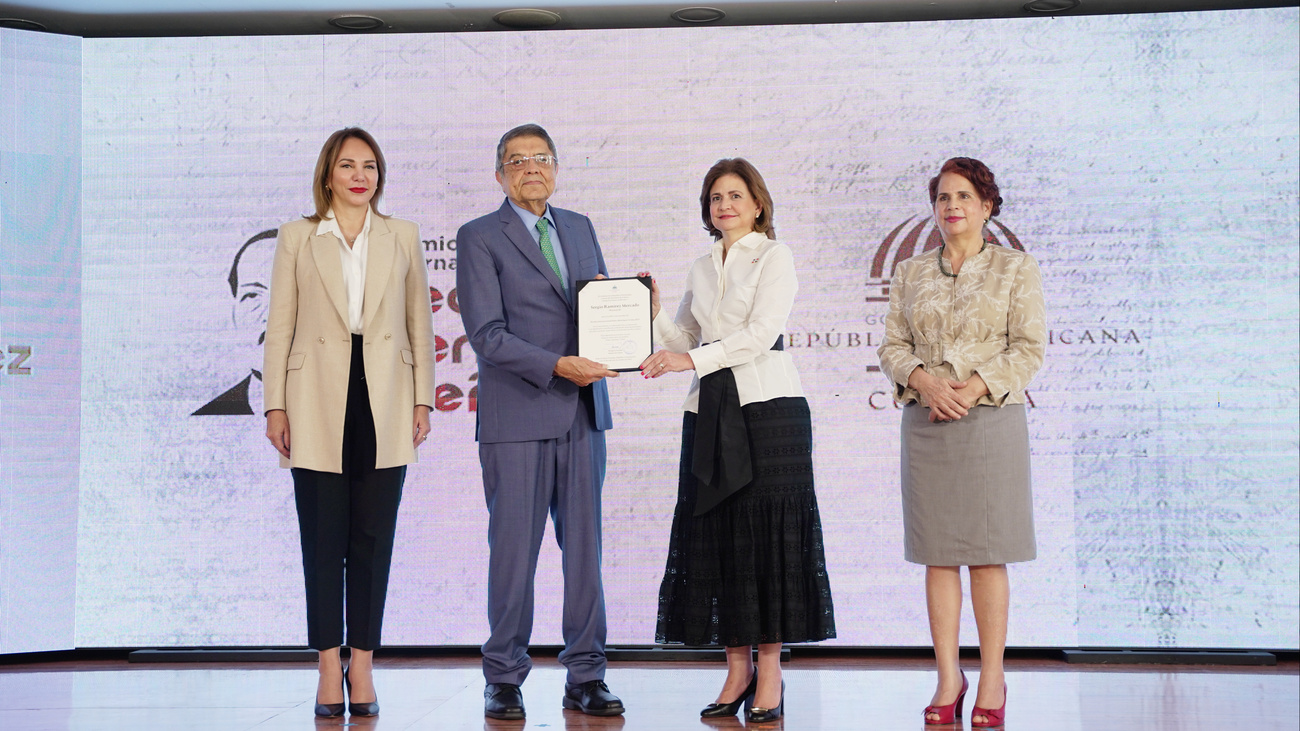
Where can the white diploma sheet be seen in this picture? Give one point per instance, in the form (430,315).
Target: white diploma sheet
(614,321)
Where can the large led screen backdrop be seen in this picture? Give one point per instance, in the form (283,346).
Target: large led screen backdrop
(40,338)
(1148,162)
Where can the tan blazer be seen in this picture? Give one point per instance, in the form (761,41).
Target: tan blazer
(990,320)
(309,344)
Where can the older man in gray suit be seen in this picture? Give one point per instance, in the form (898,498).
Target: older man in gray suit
(542,416)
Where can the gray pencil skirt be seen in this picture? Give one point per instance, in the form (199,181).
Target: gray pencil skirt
(966,494)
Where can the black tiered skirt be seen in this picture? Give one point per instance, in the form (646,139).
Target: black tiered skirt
(753,569)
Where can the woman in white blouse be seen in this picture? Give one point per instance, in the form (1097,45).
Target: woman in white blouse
(745,564)
(965,334)
(348,368)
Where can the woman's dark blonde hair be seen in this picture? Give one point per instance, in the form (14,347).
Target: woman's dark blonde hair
(329,154)
(741,168)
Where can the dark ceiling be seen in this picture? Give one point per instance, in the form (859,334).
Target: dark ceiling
(477,15)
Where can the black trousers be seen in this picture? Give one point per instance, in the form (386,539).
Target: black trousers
(347,522)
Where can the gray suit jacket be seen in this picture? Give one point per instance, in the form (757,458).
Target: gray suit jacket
(520,322)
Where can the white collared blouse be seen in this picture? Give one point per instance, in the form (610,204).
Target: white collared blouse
(353,259)
(732,314)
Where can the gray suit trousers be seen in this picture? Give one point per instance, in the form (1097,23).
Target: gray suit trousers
(523,481)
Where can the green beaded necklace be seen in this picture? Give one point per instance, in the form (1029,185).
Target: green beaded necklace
(983,246)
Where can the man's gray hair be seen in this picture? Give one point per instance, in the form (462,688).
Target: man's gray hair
(523,130)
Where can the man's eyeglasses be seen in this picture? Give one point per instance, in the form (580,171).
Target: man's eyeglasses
(518,163)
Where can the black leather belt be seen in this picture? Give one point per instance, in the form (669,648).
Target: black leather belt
(721,461)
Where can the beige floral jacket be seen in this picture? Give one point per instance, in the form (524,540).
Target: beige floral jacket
(989,320)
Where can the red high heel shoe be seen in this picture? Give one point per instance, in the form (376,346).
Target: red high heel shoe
(994,715)
(950,713)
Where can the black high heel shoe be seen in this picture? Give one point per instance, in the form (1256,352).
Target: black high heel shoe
(358,709)
(330,710)
(719,710)
(767,715)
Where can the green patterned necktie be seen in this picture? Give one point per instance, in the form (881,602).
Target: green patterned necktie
(547,250)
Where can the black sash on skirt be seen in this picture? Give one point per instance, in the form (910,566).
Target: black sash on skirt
(721,460)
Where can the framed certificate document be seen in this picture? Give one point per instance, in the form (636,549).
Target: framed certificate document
(614,321)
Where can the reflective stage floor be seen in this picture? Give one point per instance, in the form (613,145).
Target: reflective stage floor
(840,693)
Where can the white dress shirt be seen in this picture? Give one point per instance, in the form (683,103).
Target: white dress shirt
(353,259)
(732,314)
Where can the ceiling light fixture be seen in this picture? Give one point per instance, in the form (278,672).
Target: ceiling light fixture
(526,18)
(698,15)
(21,24)
(356,22)
(1051,6)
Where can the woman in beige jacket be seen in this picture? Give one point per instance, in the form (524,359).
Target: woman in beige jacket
(348,376)
(965,334)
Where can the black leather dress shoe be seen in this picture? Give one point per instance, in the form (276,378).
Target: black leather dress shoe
(592,698)
(503,701)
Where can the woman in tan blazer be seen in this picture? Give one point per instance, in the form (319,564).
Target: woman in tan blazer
(348,376)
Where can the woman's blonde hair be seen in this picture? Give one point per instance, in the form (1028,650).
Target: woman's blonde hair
(329,154)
